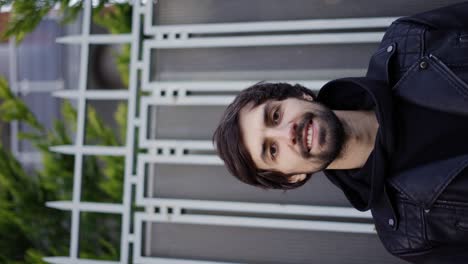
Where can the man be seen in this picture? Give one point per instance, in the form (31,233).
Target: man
(395,141)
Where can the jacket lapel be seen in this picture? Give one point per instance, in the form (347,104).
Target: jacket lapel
(425,183)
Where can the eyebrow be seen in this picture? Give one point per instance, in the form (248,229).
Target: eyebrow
(263,154)
(266,111)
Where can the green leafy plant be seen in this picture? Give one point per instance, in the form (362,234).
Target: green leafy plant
(40,231)
(37,230)
(116,18)
(27,14)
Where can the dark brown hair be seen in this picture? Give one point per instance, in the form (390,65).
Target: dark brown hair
(230,145)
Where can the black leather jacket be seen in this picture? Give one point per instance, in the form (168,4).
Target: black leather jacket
(424,58)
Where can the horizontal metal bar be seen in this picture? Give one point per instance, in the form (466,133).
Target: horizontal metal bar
(151,260)
(138,259)
(289,76)
(178,157)
(274,40)
(261,208)
(276,26)
(68,260)
(196,100)
(96,39)
(184,98)
(327,226)
(192,144)
(177,144)
(216,86)
(27,86)
(189,159)
(87,206)
(93,94)
(90,150)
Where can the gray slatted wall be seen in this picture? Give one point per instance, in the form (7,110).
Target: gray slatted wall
(307,62)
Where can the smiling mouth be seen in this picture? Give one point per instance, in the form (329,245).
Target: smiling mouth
(308,136)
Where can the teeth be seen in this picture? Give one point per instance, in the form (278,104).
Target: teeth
(309,137)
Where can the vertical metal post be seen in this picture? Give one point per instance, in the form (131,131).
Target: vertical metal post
(80,132)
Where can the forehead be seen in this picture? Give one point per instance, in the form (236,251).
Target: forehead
(251,127)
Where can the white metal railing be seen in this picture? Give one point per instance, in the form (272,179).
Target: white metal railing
(167,151)
(184,93)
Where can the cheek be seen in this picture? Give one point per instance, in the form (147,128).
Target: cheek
(291,161)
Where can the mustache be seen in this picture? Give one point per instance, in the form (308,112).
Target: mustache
(300,134)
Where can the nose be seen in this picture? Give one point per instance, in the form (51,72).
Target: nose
(285,132)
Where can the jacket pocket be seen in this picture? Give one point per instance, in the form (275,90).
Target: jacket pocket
(447,222)
(431,83)
(409,237)
(460,85)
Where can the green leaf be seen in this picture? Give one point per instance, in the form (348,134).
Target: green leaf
(5,92)
(25,16)
(116,18)
(70,12)
(61,133)
(31,137)
(13,109)
(123,64)
(120,117)
(69,115)
(97,132)
(34,257)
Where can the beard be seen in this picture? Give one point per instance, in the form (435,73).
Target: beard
(331,136)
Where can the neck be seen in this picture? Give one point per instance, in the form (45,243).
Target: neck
(360,130)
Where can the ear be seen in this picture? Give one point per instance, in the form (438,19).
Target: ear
(307,97)
(297,178)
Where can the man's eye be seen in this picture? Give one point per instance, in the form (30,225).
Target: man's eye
(273,150)
(276,116)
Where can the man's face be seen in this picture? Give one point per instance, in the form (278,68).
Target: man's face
(292,136)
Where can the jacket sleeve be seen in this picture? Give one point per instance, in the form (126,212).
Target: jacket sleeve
(446,254)
(449,17)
